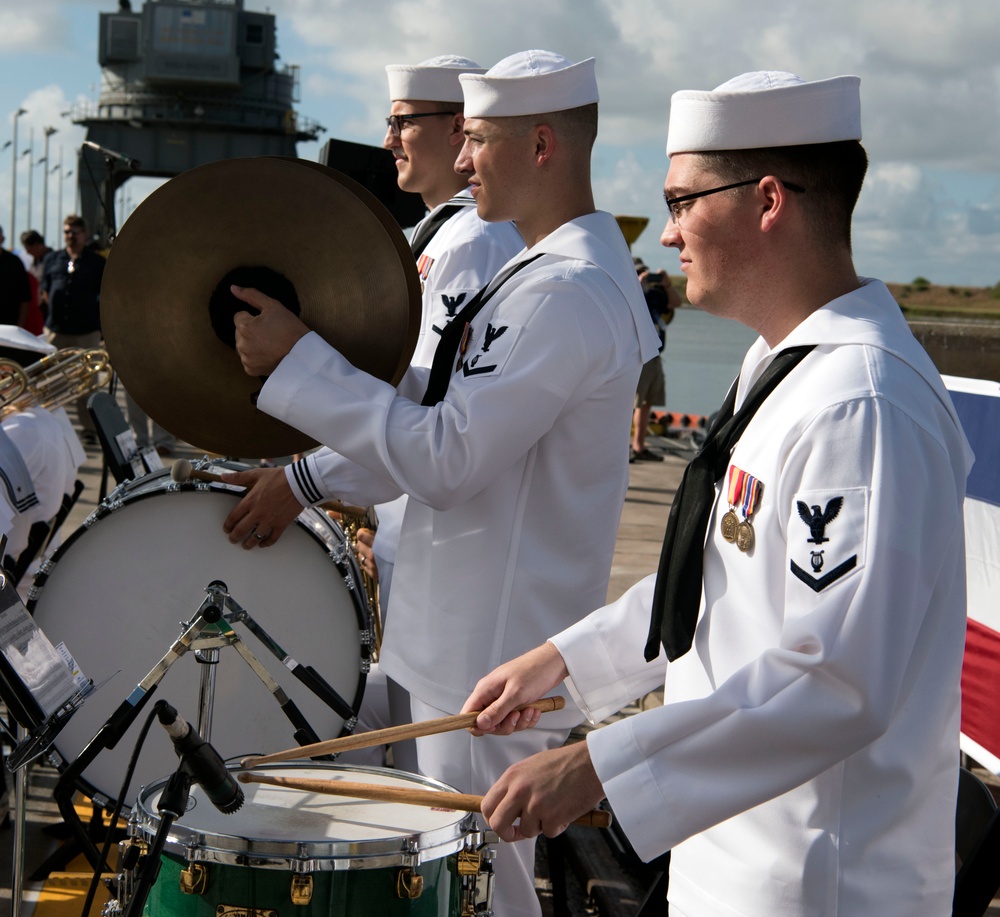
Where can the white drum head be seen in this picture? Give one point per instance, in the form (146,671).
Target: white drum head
(278,825)
(119,588)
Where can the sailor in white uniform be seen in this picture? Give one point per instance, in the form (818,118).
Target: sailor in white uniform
(457,254)
(805,761)
(510,460)
(41,450)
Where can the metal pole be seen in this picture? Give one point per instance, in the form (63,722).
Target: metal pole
(20,817)
(30,153)
(49,131)
(56,168)
(13,176)
(60,215)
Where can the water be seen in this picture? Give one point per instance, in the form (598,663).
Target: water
(701,359)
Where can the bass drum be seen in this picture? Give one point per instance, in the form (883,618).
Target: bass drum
(118,592)
(294,851)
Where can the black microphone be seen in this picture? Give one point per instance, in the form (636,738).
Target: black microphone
(202,762)
(128,162)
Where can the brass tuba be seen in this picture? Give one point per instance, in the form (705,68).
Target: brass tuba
(352,519)
(53,381)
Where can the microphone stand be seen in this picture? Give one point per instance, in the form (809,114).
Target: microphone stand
(118,723)
(210,612)
(171,805)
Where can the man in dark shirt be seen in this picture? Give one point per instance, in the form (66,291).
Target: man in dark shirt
(15,289)
(71,299)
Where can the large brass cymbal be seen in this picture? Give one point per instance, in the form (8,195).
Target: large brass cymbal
(168,274)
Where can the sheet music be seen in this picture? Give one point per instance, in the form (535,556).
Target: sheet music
(32,656)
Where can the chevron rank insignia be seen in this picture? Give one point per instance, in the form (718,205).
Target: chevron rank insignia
(489,348)
(827,535)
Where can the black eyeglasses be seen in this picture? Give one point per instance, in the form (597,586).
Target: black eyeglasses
(396,122)
(675,211)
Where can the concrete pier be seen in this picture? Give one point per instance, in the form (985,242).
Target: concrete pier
(576,875)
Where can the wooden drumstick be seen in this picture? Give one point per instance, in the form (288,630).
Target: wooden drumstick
(438,799)
(390,734)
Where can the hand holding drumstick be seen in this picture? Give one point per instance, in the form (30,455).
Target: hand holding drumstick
(390,734)
(463,802)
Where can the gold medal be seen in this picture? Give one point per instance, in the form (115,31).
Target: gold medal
(744,536)
(729,524)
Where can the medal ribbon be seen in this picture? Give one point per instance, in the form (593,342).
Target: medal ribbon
(736,477)
(751,494)
(744,490)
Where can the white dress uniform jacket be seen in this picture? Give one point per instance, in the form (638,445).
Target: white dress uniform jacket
(516,479)
(806,759)
(459,260)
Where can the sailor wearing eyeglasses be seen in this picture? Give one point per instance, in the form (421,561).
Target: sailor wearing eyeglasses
(811,591)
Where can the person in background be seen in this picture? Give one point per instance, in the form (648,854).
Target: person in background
(808,618)
(15,288)
(662,299)
(35,250)
(71,300)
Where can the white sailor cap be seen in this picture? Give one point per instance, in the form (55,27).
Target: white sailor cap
(767,108)
(529,83)
(433,80)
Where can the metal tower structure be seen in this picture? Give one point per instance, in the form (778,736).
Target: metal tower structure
(184,83)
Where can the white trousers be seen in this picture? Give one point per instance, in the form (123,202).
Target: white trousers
(384,704)
(465,762)
(473,765)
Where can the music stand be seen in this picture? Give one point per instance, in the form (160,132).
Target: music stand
(41,694)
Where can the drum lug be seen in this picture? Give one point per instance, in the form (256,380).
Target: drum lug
(302,889)
(193,879)
(409,884)
(131,851)
(475,873)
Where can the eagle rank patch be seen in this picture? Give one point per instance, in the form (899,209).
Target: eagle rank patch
(488,349)
(827,535)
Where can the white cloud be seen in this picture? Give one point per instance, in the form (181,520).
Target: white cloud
(929,68)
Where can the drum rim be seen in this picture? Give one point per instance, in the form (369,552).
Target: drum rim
(410,849)
(125,493)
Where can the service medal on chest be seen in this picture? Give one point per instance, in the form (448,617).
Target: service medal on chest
(745,492)
(730,522)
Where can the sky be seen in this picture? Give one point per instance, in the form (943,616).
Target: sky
(930,90)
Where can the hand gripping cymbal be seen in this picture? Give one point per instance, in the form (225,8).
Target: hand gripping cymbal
(297,230)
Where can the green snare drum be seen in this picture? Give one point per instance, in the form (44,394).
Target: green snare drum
(292,853)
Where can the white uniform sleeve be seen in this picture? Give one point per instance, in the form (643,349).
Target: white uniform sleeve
(604,654)
(830,685)
(443,455)
(325,475)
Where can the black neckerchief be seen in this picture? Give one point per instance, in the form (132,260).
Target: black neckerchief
(444,365)
(677,596)
(429,227)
